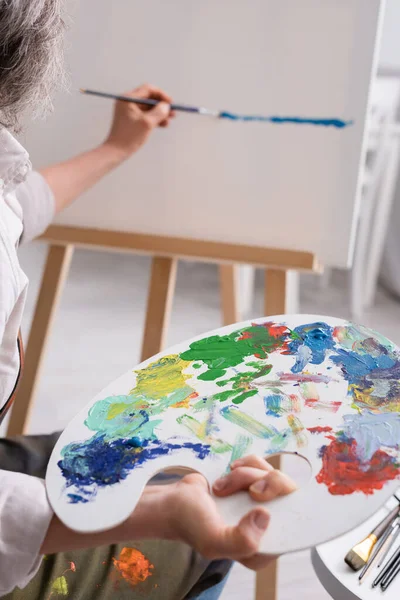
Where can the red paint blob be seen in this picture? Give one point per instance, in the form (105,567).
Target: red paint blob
(275,331)
(343,473)
(319,429)
(321,405)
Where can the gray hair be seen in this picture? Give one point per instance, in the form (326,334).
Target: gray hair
(31,56)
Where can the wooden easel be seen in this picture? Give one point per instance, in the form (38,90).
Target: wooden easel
(166,251)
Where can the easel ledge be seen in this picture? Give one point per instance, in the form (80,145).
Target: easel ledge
(165,251)
(205,251)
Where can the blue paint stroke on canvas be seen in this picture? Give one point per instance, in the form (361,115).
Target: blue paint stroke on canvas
(336,123)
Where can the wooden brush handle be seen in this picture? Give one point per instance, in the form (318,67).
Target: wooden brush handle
(383,525)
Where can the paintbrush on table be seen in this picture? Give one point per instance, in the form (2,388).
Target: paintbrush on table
(382,549)
(359,555)
(389,541)
(391,576)
(389,568)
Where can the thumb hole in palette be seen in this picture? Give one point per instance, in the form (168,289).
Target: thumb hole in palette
(294,465)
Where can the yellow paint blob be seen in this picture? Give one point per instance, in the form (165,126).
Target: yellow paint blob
(161,378)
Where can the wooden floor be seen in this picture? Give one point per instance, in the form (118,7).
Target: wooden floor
(97,337)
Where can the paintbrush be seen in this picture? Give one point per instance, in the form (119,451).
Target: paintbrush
(375,555)
(381,549)
(389,542)
(358,556)
(387,569)
(224,114)
(151,102)
(394,572)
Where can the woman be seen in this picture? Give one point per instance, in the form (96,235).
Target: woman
(175,555)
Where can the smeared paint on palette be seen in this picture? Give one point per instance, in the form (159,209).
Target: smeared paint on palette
(336,123)
(325,388)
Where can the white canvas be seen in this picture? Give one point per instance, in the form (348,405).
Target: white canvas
(272,185)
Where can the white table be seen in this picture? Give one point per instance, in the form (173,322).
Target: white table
(338,579)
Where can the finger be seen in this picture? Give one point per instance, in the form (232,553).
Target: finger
(164,123)
(238,479)
(151,91)
(158,114)
(258,462)
(274,484)
(238,542)
(208,533)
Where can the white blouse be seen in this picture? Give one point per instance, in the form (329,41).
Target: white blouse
(26,209)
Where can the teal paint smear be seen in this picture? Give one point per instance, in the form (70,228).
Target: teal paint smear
(337,123)
(160,406)
(280,441)
(125,424)
(240,448)
(204,404)
(205,432)
(146,431)
(275,405)
(237,417)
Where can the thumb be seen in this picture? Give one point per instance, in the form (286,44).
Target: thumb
(243,540)
(158,114)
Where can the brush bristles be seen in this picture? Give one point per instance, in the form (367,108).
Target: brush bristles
(354,560)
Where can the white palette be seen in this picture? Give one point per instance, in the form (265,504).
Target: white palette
(332,375)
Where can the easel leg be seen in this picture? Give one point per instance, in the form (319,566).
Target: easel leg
(267,579)
(159,304)
(228,276)
(54,276)
(275,298)
(267,582)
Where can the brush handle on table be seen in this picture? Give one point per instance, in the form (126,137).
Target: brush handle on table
(385,584)
(387,568)
(389,543)
(384,524)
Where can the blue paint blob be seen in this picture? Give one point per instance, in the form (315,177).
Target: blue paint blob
(355,365)
(76,499)
(99,462)
(371,431)
(311,345)
(337,123)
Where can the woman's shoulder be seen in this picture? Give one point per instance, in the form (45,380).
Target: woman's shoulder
(13,281)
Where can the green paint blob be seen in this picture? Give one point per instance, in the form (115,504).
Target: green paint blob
(220,353)
(242,397)
(211,374)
